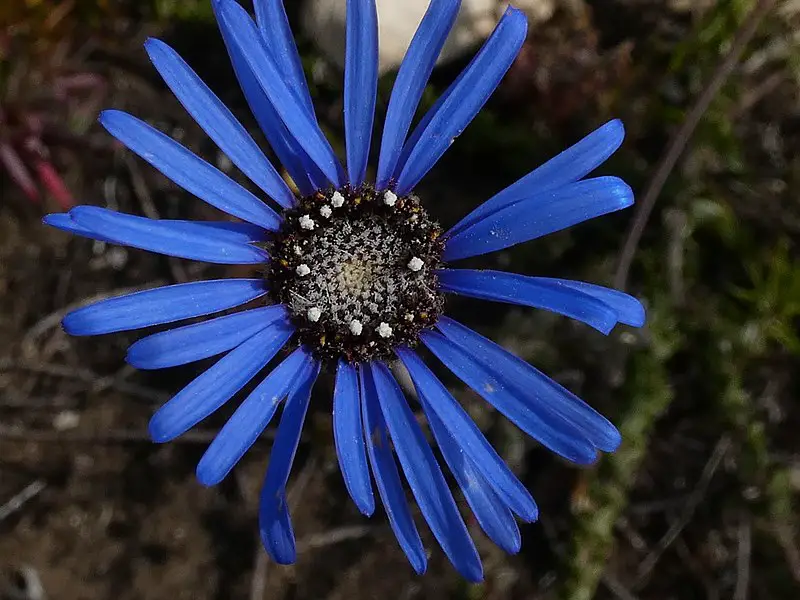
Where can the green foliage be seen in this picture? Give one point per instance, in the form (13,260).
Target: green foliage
(649,393)
(698,52)
(184,10)
(771,302)
(738,303)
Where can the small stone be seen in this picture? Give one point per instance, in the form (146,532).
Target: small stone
(306,222)
(66,420)
(356,327)
(117,258)
(337,200)
(326,211)
(384,330)
(389,198)
(302,270)
(416,264)
(298,251)
(314,314)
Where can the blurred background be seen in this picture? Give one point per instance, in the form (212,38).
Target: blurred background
(701,500)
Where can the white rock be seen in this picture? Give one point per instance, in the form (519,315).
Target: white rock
(66,420)
(538,11)
(323,22)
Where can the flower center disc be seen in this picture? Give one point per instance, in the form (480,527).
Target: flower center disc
(357,269)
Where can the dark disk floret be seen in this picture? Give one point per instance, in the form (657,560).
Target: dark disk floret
(357,269)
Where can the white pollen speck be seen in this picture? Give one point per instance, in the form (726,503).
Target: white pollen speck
(416,264)
(356,327)
(325,211)
(314,314)
(337,199)
(302,270)
(389,198)
(384,330)
(306,222)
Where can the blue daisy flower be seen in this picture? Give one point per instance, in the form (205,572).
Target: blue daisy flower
(354,275)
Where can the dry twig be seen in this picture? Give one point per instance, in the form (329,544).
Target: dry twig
(17,501)
(682,137)
(650,561)
(52,320)
(333,536)
(97,382)
(259,581)
(112,436)
(743,557)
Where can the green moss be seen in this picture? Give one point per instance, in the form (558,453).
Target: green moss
(649,393)
(183,10)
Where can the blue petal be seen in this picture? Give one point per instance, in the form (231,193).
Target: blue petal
(64,222)
(289,153)
(558,436)
(223,230)
(218,122)
(162,305)
(571,165)
(360,85)
(384,468)
(414,72)
(201,340)
(188,170)
(243,34)
(628,309)
(471,441)
(539,215)
(243,233)
(274,25)
(217,385)
(348,431)
(162,237)
(537,292)
(251,418)
(279,43)
(273,514)
(433,112)
(494,517)
(425,477)
(544,396)
(465,98)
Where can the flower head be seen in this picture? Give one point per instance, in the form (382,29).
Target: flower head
(355,274)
